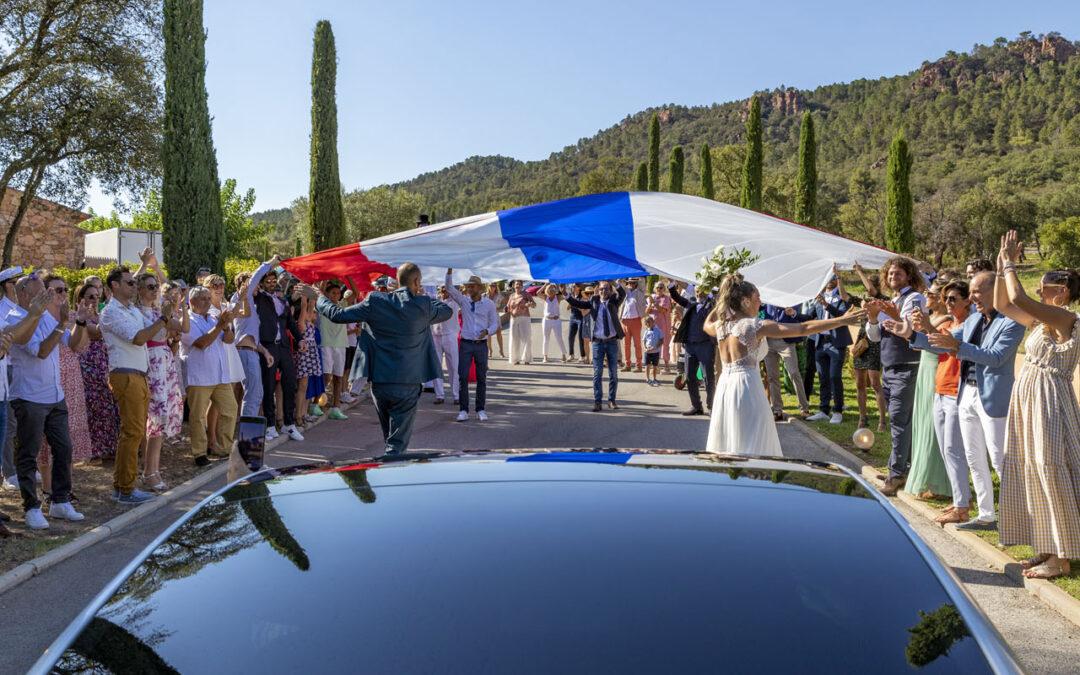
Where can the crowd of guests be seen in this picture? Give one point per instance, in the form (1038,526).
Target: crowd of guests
(111,369)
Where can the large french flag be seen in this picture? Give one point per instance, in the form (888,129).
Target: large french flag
(603,236)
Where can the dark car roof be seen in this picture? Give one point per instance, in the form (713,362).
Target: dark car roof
(588,562)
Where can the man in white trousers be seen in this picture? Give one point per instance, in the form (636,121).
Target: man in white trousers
(445,336)
(986,345)
(552,323)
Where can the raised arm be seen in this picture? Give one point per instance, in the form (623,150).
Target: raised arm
(1019,306)
(354,314)
(456,295)
(440,311)
(771,329)
(577,302)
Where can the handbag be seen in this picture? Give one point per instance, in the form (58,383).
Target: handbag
(860,347)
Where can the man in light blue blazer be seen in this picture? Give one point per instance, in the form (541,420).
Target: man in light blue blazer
(397,347)
(986,345)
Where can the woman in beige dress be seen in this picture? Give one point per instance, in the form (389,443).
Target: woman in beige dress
(1040,483)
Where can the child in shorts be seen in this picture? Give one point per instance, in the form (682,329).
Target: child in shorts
(653,338)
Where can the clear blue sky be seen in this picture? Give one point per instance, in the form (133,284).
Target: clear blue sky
(425,84)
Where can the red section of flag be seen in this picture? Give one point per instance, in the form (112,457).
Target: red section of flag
(343,262)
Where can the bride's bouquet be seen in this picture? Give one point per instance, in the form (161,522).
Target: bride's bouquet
(722,263)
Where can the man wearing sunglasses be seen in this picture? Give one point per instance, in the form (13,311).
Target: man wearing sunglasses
(127,330)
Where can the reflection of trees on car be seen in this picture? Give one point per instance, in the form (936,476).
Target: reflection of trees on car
(104,647)
(935,634)
(254,499)
(358,483)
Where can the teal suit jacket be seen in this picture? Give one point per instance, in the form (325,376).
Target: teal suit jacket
(396,342)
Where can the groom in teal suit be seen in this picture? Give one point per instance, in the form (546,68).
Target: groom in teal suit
(397,346)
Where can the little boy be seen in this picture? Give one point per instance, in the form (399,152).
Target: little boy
(654,342)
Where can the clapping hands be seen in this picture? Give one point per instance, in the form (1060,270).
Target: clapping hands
(5,343)
(899,327)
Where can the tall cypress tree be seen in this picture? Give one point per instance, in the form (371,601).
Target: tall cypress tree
(899,231)
(654,153)
(675,169)
(708,191)
(327,214)
(641,178)
(192,232)
(750,196)
(806,180)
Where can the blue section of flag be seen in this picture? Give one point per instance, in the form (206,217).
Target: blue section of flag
(577,239)
(588,457)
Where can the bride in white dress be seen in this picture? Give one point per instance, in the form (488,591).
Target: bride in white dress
(742,420)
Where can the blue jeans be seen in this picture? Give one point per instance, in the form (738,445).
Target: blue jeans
(468,354)
(830,369)
(253,388)
(600,350)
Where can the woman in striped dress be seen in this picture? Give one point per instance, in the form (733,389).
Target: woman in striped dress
(1040,483)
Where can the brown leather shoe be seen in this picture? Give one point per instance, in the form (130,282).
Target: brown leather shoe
(596,407)
(893,485)
(613,405)
(953,515)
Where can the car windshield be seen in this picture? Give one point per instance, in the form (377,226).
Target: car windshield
(534,567)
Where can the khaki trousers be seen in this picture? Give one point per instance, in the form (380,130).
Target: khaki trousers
(132,395)
(199,401)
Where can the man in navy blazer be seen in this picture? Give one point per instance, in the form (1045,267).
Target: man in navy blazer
(398,348)
(830,351)
(986,345)
(607,331)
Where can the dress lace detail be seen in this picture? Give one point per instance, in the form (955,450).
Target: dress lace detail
(746,332)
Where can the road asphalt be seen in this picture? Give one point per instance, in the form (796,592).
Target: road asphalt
(535,406)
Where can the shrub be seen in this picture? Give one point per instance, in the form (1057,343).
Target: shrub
(1061,241)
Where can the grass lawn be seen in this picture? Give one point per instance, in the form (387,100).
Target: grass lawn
(878,455)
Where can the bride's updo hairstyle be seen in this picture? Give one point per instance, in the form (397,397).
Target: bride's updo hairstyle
(733,290)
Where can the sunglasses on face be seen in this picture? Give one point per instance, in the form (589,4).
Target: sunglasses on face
(60,290)
(949,299)
(151,287)
(129,282)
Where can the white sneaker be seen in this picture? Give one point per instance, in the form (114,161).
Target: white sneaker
(11,483)
(64,510)
(463,416)
(271,433)
(481,415)
(817,417)
(836,418)
(292,432)
(347,398)
(35,520)
(37,477)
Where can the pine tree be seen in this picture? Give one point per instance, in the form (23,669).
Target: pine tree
(708,191)
(298,249)
(675,169)
(899,232)
(327,213)
(806,180)
(750,196)
(654,153)
(641,178)
(192,232)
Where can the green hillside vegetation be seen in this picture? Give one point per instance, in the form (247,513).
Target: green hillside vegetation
(994,135)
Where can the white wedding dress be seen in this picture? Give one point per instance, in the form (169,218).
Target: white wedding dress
(742,420)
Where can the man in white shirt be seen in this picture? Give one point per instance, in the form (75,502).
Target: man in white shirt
(37,399)
(479,320)
(7,439)
(631,312)
(126,331)
(203,348)
(445,336)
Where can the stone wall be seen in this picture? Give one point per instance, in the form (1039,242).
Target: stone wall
(47,236)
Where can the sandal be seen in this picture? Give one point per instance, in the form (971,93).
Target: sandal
(953,515)
(1034,561)
(154,482)
(1048,570)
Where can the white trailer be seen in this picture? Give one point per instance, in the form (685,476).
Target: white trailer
(120,245)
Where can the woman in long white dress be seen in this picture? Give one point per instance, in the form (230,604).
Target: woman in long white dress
(742,420)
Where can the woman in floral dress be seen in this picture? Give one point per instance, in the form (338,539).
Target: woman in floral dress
(306,357)
(102,415)
(1040,482)
(659,308)
(166,408)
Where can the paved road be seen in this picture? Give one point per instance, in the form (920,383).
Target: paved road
(543,405)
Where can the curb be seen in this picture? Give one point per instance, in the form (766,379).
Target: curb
(1058,600)
(32,568)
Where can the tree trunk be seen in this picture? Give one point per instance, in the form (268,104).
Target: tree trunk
(36,176)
